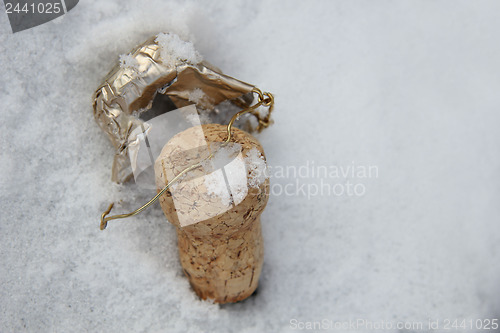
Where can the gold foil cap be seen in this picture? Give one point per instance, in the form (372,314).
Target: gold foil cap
(154,79)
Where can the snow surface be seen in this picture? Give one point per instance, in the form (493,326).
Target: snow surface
(411,87)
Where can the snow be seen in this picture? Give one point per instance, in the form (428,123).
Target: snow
(175,50)
(196,95)
(408,86)
(256,166)
(127,61)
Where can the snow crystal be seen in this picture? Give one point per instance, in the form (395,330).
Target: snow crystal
(175,50)
(256,167)
(127,61)
(196,95)
(202,101)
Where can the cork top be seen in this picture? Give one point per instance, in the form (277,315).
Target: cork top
(219,196)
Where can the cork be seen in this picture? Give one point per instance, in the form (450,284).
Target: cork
(216,209)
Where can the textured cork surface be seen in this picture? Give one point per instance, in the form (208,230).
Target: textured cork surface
(220,243)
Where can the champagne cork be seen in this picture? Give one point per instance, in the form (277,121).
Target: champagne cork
(216,208)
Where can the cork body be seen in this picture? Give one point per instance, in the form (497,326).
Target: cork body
(219,234)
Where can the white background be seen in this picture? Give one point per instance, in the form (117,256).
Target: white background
(410,86)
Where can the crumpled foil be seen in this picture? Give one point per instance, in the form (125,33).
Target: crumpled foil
(130,96)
